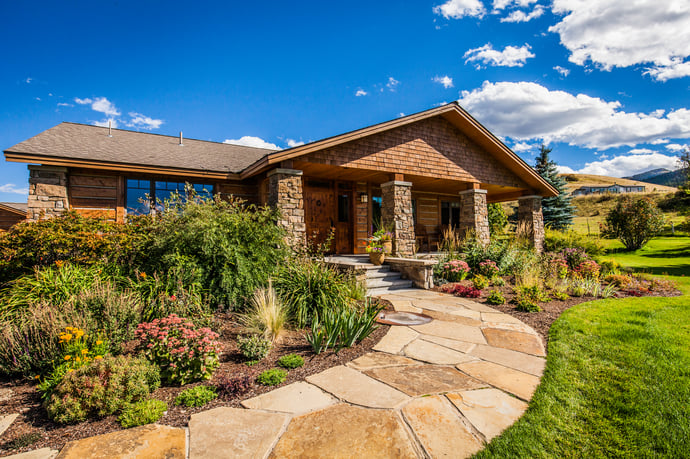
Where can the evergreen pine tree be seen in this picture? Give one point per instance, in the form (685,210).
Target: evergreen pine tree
(558,211)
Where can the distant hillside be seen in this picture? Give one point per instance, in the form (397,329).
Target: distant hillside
(575,181)
(670,178)
(645,176)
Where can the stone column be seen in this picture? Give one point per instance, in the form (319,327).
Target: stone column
(531,221)
(48,196)
(396,212)
(285,193)
(474,214)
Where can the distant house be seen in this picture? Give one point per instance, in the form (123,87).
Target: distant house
(12,213)
(615,188)
(426,171)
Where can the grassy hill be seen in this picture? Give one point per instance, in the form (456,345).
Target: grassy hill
(577,180)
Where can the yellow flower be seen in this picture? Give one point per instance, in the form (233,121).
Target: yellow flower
(84,351)
(143,275)
(78,359)
(98,357)
(70,370)
(67,357)
(37,377)
(66,337)
(99,342)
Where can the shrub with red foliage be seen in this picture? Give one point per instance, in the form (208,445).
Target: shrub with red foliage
(234,385)
(461,290)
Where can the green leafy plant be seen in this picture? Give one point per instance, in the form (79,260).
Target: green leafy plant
(338,329)
(291,361)
(560,295)
(267,315)
(495,297)
(142,412)
(102,387)
(254,347)
(196,396)
(480,282)
(498,281)
(634,222)
(272,377)
(183,352)
(527,298)
(556,241)
(526,305)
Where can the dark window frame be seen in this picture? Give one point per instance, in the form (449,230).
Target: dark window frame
(152,188)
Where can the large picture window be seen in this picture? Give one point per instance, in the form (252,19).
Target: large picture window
(158,191)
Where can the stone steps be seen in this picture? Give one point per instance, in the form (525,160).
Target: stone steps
(381,280)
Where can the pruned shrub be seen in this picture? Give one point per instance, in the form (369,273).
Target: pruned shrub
(291,361)
(634,221)
(495,297)
(196,396)
(103,387)
(272,377)
(254,347)
(527,299)
(142,412)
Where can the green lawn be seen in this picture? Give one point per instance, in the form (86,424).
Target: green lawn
(617,381)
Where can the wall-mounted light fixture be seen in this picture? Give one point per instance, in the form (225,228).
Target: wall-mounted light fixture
(364,197)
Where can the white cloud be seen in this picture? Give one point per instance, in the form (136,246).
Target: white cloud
(623,33)
(639,151)
(511,56)
(37,98)
(562,70)
(565,169)
(501,4)
(521,147)
(676,147)
(143,122)
(361,92)
(99,104)
(529,111)
(251,141)
(457,9)
(446,81)
(294,143)
(64,104)
(106,122)
(624,166)
(28,80)
(392,84)
(12,188)
(659,141)
(521,16)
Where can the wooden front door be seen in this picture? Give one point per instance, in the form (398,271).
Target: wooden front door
(328,208)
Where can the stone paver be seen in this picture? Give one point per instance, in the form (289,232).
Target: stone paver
(401,304)
(350,385)
(452,331)
(440,429)
(6,421)
(233,432)
(296,398)
(513,381)
(460,346)
(432,305)
(5,394)
(396,339)
(344,431)
(152,440)
(453,317)
(426,351)
(378,360)
(489,410)
(516,341)
(469,304)
(499,317)
(425,379)
(515,327)
(517,360)
(43,453)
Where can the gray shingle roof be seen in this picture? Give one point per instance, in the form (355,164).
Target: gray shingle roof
(20,206)
(91,143)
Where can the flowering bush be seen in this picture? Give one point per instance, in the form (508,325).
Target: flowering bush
(455,270)
(461,290)
(574,256)
(554,266)
(183,353)
(588,269)
(488,268)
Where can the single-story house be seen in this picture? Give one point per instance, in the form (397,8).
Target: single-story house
(421,172)
(12,213)
(615,188)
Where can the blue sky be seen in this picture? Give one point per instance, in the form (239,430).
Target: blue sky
(605,84)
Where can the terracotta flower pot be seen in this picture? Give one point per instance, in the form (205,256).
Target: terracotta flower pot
(376,258)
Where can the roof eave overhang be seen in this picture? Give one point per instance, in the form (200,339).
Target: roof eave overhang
(23,213)
(19,157)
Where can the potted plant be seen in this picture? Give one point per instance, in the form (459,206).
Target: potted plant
(376,253)
(385,239)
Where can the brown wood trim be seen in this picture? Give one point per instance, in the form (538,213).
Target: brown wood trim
(130,168)
(13,210)
(120,207)
(513,195)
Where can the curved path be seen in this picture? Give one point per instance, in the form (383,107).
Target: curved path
(441,389)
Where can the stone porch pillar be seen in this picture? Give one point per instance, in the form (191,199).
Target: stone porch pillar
(396,212)
(48,196)
(531,221)
(474,214)
(285,193)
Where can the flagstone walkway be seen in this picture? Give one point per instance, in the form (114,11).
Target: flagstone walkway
(441,389)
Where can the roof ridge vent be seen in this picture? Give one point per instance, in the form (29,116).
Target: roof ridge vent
(181,144)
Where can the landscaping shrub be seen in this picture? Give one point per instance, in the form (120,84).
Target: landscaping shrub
(497,217)
(609,267)
(338,329)
(634,222)
(68,238)
(267,314)
(142,413)
(272,377)
(196,396)
(498,281)
(574,257)
(291,361)
(254,347)
(488,268)
(480,282)
(527,298)
(554,266)
(455,270)
(461,290)
(183,352)
(557,241)
(233,385)
(231,248)
(495,297)
(588,269)
(309,287)
(560,295)
(102,387)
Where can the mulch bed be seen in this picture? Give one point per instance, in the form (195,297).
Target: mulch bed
(35,428)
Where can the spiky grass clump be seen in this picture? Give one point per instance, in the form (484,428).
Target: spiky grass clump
(267,315)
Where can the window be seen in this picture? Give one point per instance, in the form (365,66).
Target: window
(450,213)
(376,202)
(157,191)
(343,208)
